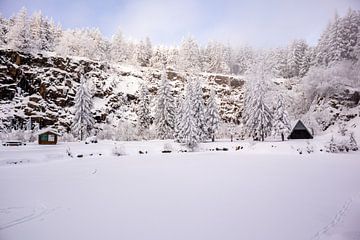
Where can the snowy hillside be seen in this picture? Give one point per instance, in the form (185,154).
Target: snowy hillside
(43,88)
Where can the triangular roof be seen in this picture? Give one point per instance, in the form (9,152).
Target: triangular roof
(299,126)
(51,130)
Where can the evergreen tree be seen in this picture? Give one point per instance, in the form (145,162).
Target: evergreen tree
(4,28)
(83,120)
(164,115)
(259,117)
(189,131)
(19,35)
(144,52)
(212,116)
(215,58)
(189,55)
(352,143)
(118,51)
(179,103)
(281,122)
(199,109)
(143,111)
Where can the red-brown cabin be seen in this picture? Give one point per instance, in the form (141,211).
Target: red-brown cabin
(48,136)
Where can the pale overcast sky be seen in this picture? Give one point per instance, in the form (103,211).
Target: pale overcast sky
(259,23)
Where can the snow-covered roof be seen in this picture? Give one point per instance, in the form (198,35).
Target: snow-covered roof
(51,130)
(299,125)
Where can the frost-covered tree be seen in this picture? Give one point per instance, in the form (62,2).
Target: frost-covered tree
(189,55)
(243,59)
(144,52)
(352,143)
(179,103)
(258,115)
(212,116)
(164,115)
(199,109)
(159,57)
(143,109)
(37,31)
(215,58)
(19,35)
(338,41)
(281,126)
(189,131)
(83,121)
(4,28)
(118,48)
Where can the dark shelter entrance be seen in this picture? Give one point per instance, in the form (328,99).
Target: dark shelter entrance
(300,132)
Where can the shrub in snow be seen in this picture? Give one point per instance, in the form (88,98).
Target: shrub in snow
(342,129)
(125,131)
(119,150)
(342,144)
(92,139)
(168,147)
(67,137)
(309,147)
(352,143)
(332,146)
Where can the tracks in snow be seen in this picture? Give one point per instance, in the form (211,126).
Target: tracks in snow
(36,213)
(337,218)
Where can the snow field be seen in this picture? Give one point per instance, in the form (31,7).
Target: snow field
(275,193)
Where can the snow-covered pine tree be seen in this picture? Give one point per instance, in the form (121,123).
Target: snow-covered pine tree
(199,109)
(143,52)
(118,51)
(83,121)
(189,131)
(4,28)
(143,109)
(36,28)
(19,35)
(212,116)
(259,116)
(332,146)
(189,55)
(352,143)
(281,121)
(165,111)
(179,103)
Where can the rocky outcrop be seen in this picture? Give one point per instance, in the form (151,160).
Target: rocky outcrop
(43,87)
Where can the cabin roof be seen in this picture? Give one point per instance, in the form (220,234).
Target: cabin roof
(48,130)
(299,126)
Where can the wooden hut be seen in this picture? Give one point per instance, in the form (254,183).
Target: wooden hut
(48,136)
(300,132)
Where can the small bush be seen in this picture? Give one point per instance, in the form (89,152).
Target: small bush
(342,145)
(119,150)
(167,147)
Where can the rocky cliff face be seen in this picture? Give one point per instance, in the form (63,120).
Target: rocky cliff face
(43,88)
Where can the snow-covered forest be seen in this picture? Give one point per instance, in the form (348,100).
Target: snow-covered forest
(121,138)
(329,68)
(36,33)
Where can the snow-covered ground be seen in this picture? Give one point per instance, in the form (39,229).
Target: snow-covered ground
(264,191)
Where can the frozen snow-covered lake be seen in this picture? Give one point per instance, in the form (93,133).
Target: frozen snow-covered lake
(271,193)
